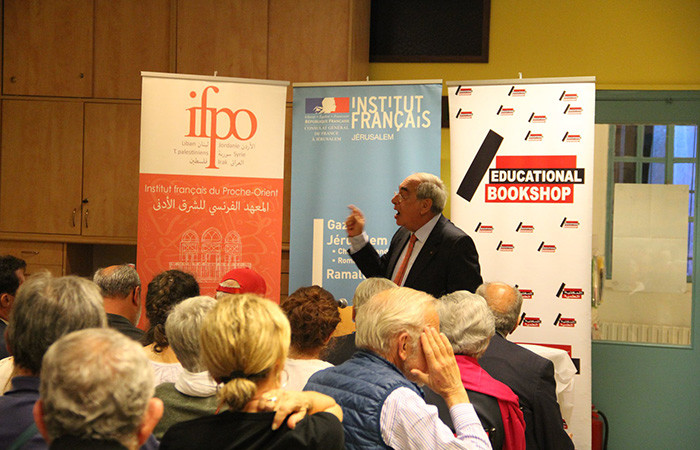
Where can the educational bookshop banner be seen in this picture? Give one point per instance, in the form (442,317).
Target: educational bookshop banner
(210,189)
(354,144)
(521,177)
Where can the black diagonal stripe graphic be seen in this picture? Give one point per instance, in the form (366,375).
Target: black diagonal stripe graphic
(480,164)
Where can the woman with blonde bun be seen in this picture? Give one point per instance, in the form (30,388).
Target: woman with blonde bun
(245,340)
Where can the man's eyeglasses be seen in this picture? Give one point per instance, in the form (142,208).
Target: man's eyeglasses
(402,196)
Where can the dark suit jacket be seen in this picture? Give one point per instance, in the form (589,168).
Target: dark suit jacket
(531,377)
(4,353)
(340,349)
(447,262)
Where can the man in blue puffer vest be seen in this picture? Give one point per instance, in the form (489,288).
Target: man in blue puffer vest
(383,406)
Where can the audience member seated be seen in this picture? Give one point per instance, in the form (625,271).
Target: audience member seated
(529,375)
(241,281)
(96,393)
(194,393)
(121,290)
(245,340)
(313,316)
(341,348)
(11,277)
(400,346)
(45,309)
(166,290)
(467,322)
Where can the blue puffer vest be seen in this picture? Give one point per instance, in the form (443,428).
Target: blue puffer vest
(360,386)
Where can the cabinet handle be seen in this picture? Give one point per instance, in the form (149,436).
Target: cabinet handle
(29,252)
(13,79)
(74,213)
(87,211)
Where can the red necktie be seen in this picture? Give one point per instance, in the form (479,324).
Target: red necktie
(404,263)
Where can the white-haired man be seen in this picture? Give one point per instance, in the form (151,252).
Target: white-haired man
(383,406)
(341,348)
(96,392)
(529,375)
(428,252)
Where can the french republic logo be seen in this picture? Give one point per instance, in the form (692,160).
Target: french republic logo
(463,90)
(461,114)
(533,179)
(573,110)
(522,228)
(537,118)
(327,105)
(505,111)
(569,293)
(526,293)
(569,223)
(501,247)
(568,137)
(568,97)
(481,228)
(533,137)
(547,248)
(517,92)
(568,322)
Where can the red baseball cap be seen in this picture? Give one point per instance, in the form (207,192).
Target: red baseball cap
(249,281)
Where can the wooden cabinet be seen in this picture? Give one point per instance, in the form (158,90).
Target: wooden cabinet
(318,40)
(224,36)
(48,47)
(111,175)
(46,145)
(41,166)
(130,36)
(38,255)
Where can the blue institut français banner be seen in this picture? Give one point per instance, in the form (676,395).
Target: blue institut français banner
(354,144)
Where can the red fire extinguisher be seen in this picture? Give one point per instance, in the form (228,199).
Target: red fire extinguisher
(599,423)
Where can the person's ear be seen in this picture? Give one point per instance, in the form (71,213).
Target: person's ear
(154,411)
(38,412)
(404,346)
(425,205)
(5,301)
(136,296)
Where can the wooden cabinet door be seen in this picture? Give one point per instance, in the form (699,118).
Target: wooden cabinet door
(130,36)
(224,36)
(111,170)
(318,40)
(41,166)
(48,47)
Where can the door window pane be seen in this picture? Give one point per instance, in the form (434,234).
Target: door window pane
(626,140)
(654,141)
(625,172)
(653,173)
(685,141)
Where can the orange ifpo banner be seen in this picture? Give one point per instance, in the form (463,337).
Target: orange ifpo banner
(211,181)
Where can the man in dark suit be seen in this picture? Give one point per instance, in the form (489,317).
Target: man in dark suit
(529,375)
(428,253)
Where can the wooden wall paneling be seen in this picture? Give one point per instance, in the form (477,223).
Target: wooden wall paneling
(111,169)
(358,59)
(226,36)
(130,36)
(41,168)
(48,47)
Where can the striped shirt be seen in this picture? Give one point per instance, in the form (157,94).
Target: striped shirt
(408,422)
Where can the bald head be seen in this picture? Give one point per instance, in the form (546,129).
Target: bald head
(505,301)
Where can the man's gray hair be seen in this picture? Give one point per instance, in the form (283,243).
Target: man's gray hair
(433,188)
(45,309)
(390,313)
(467,321)
(368,288)
(182,329)
(117,281)
(96,383)
(506,309)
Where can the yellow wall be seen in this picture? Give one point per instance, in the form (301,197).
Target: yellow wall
(625,44)
(632,44)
